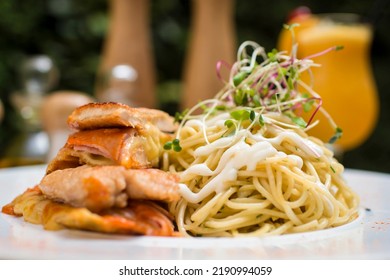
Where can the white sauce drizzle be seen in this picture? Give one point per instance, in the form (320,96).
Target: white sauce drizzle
(238,156)
(306,145)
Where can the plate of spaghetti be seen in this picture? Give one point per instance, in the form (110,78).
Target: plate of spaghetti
(236,176)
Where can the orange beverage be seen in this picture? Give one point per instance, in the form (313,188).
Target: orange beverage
(344,79)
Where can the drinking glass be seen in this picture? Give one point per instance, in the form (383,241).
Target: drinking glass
(344,78)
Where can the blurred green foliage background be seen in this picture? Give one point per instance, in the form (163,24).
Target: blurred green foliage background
(71,32)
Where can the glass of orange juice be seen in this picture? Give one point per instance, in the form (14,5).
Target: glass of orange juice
(344,79)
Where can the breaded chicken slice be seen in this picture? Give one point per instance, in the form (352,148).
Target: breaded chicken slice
(137,218)
(111,146)
(111,114)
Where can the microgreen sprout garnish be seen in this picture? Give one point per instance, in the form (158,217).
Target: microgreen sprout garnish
(173,145)
(179,116)
(273,56)
(238,78)
(168,145)
(229,123)
(262,83)
(335,48)
(336,136)
(176,145)
(299,121)
(261,120)
(240,115)
(290,26)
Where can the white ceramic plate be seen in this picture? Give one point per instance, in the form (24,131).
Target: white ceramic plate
(366,238)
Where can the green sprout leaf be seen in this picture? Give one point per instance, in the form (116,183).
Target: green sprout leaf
(252,115)
(273,55)
(229,123)
(168,145)
(261,120)
(239,97)
(177,148)
(240,115)
(336,136)
(179,116)
(220,107)
(238,78)
(290,82)
(176,145)
(308,105)
(299,121)
(249,91)
(256,100)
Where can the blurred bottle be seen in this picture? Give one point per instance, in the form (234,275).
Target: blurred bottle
(38,75)
(345,79)
(126,73)
(120,84)
(212,39)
